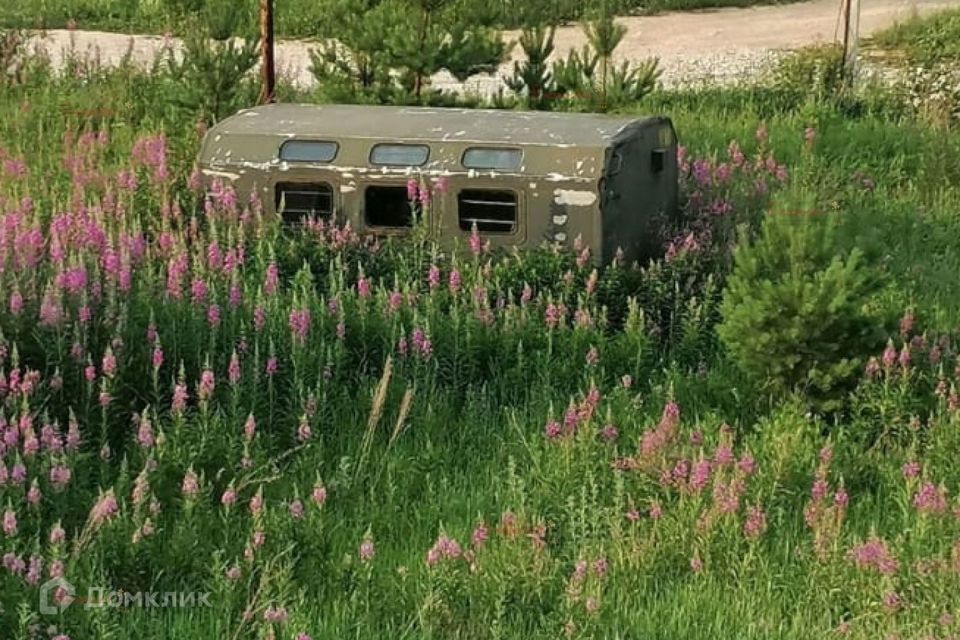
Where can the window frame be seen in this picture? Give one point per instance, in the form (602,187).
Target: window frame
(380,228)
(336,150)
(285,185)
(518,150)
(379,145)
(515,229)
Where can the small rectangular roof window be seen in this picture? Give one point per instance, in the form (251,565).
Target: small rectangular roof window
(308,151)
(488,158)
(400,155)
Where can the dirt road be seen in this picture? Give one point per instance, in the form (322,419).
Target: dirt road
(710,45)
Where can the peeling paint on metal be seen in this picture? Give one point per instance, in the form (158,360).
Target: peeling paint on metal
(346,188)
(574,198)
(560,220)
(560,237)
(220,174)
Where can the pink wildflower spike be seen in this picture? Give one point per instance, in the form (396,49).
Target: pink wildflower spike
(191,484)
(296,510)
(367,550)
(105,509)
(479,536)
(229,497)
(319,495)
(9,523)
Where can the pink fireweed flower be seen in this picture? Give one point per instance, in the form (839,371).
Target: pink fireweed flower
(319,495)
(60,477)
(109,363)
(34,495)
(145,433)
(454,282)
(141,488)
(723,456)
(259,318)
(476,243)
(841,499)
(249,428)
(157,357)
(910,469)
(479,536)
(413,188)
(552,430)
(105,509)
(626,381)
(747,464)
(367,550)
(819,489)
(229,497)
(296,510)
(655,511)
(889,355)
(35,570)
(206,386)
(275,615)
(696,564)
(600,567)
(891,601)
(57,534)
(904,357)
(632,515)
(179,402)
(271,280)
(15,303)
(191,484)
(9,523)
(906,323)
(256,502)
(755,524)
(700,475)
(56,570)
(874,554)
(433,277)
(233,369)
(198,291)
(304,432)
(609,433)
(13,563)
(213,315)
(931,499)
(300,324)
(104,398)
(233,573)
(363,288)
(18,474)
(872,368)
(271,366)
(593,357)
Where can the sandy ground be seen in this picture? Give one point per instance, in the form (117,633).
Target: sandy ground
(702,46)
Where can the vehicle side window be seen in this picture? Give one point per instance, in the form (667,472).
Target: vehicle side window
(492,211)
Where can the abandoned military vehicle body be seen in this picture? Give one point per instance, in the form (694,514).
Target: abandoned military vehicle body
(521,178)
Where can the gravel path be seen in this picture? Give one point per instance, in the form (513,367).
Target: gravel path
(720,45)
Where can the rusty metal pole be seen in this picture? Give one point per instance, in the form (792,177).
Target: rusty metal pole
(267,66)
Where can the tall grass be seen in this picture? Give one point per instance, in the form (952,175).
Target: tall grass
(333,436)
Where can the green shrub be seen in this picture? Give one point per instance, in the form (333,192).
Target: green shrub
(797,309)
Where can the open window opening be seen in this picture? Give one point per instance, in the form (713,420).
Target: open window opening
(388,206)
(297,200)
(492,211)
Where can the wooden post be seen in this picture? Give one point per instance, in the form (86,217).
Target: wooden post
(851,36)
(267,66)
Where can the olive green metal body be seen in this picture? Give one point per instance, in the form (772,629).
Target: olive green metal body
(523,178)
